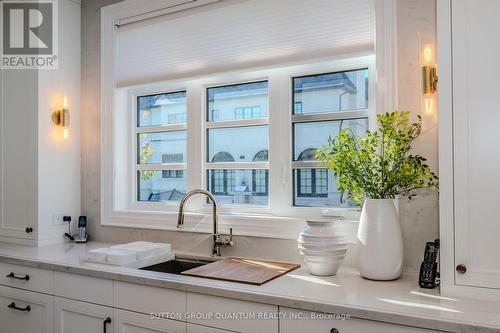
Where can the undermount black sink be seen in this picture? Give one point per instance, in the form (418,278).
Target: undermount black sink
(176,266)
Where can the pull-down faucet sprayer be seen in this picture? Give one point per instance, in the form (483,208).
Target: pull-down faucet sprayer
(218,242)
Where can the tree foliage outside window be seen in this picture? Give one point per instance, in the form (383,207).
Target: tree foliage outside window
(145,155)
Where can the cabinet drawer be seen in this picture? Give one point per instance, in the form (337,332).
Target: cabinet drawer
(295,321)
(192,328)
(29,278)
(231,314)
(149,300)
(84,288)
(33,312)
(131,322)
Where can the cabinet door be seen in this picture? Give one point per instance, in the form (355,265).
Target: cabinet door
(298,321)
(192,328)
(24,311)
(476,120)
(131,322)
(80,317)
(231,314)
(18,158)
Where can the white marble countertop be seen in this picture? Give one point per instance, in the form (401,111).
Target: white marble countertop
(398,302)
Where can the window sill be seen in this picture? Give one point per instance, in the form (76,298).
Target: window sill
(253,225)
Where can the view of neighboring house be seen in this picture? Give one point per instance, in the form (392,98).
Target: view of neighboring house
(335,92)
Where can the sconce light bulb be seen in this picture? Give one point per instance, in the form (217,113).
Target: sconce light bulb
(427,54)
(65,103)
(65,133)
(429,105)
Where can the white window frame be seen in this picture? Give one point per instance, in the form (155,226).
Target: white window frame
(233,79)
(282,220)
(136,130)
(280,93)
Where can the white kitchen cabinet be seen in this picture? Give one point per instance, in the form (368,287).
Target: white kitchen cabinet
(84,288)
(232,314)
(131,322)
(469,154)
(24,311)
(18,154)
(28,278)
(80,317)
(299,321)
(147,299)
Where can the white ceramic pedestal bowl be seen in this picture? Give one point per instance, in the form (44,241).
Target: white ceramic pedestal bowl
(324,249)
(325,266)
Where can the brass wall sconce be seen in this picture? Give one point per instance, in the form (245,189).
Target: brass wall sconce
(429,79)
(61,118)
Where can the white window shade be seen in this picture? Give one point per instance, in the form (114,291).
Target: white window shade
(230,35)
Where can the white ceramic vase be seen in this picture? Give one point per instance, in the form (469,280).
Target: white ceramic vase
(380,242)
(324,249)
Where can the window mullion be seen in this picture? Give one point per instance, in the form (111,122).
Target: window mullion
(337,115)
(195,141)
(161,128)
(280,187)
(237,165)
(161,166)
(237,123)
(307,164)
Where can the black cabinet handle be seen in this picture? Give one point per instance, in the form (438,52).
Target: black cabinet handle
(105,323)
(13,306)
(29,229)
(13,276)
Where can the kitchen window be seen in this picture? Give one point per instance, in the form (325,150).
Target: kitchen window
(323,105)
(250,138)
(236,135)
(232,140)
(161,146)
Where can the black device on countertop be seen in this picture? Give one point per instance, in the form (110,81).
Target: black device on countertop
(429,275)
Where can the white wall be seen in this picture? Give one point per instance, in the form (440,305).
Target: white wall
(419,219)
(59,158)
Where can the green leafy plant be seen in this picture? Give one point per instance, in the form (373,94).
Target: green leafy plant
(380,164)
(145,154)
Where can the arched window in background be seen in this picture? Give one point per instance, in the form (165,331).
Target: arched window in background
(223,156)
(260,177)
(261,156)
(308,154)
(311,182)
(223,181)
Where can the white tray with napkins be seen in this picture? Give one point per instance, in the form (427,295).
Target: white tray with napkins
(132,255)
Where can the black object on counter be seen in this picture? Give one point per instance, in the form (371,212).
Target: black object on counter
(429,275)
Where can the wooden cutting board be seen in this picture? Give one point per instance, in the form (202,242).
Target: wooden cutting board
(242,270)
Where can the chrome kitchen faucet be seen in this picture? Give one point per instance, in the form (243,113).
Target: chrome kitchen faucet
(218,242)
